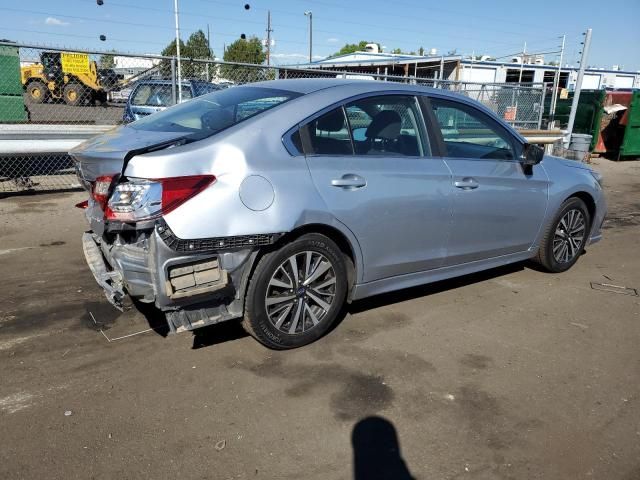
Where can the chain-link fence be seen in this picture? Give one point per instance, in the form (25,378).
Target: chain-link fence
(41,86)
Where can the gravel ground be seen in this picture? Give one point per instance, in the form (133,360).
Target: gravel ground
(508,374)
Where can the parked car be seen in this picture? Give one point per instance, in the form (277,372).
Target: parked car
(150,96)
(122,94)
(264,203)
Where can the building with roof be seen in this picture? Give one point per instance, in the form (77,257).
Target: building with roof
(531,69)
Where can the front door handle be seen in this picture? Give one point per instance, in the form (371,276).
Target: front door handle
(467,183)
(349,181)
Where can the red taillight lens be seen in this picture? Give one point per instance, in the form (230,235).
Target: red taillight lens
(101,190)
(144,199)
(177,190)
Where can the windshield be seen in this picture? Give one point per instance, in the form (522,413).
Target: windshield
(206,115)
(156,94)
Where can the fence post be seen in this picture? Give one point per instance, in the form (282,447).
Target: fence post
(544,94)
(173,80)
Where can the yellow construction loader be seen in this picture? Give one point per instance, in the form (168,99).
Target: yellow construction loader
(69,76)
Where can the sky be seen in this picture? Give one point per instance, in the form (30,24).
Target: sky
(498,28)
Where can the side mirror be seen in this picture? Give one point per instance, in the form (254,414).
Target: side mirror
(531,155)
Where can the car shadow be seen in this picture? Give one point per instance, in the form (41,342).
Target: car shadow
(376,451)
(232,330)
(219,333)
(398,296)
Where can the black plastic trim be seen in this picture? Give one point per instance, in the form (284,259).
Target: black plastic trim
(213,244)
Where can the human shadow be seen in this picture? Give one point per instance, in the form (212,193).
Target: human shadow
(376,451)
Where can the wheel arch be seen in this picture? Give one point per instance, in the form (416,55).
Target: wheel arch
(589,201)
(348,246)
(345,244)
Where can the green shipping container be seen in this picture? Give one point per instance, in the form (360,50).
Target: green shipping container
(10,82)
(12,109)
(631,143)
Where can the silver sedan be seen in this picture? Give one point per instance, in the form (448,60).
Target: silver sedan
(277,202)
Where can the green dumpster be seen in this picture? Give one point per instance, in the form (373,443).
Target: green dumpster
(631,142)
(588,115)
(11,100)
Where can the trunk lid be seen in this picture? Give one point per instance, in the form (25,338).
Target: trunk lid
(107,154)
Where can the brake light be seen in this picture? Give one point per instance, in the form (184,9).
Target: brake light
(176,191)
(143,199)
(100,190)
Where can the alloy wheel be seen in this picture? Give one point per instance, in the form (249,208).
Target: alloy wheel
(569,236)
(300,292)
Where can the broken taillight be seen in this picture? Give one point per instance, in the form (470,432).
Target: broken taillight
(100,190)
(143,199)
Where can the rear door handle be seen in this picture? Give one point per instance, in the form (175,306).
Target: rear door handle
(349,181)
(467,183)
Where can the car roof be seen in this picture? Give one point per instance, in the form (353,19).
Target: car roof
(161,81)
(310,85)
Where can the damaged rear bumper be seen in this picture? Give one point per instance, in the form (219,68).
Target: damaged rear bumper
(195,283)
(109,280)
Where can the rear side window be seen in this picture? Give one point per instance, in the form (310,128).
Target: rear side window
(208,114)
(469,133)
(329,134)
(204,88)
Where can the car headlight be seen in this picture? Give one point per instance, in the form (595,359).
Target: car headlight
(598,177)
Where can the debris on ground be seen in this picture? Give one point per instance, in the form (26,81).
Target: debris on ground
(220,445)
(608,287)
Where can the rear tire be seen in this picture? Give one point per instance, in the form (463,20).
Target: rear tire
(288,308)
(74,94)
(37,92)
(564,239)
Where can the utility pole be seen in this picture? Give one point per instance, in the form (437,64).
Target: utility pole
(208,50)
(556,83)
(175,13)
(576,93)
(269,30)
(524,53)
(309,14)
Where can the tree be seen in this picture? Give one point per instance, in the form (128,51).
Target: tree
(107,61)
(355,47)
(244,51)
(421,51)
(170,51)
(197,46)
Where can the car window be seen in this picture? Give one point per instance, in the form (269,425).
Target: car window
(296,141)
(208,114)
(157,95)
(386,125)
(329,134)
(204,88)
(469,133)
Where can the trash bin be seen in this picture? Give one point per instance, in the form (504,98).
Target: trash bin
(631,143)
(579,146)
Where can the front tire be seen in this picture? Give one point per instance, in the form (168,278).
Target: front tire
(37,92)
(564,239)
(296,293)
(74,94)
